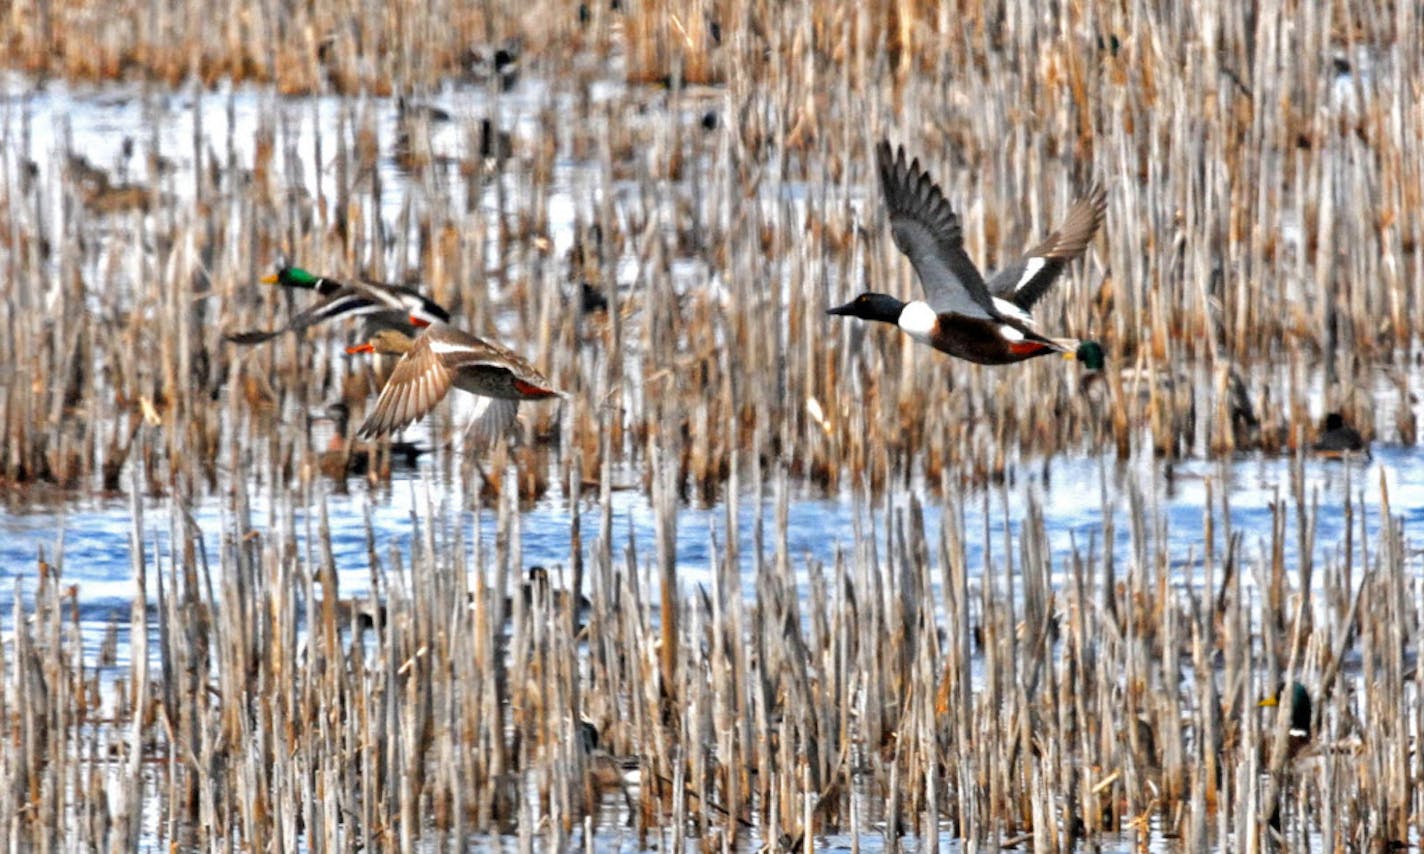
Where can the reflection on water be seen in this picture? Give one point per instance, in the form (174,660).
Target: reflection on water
(89,542)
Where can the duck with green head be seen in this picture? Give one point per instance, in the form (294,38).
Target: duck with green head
(1301,714)
(383,306)
(296,277)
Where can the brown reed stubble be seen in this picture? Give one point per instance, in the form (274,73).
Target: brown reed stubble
(1195,293)
(1111,697)
(1196,272)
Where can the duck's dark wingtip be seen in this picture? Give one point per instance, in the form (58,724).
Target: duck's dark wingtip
(885,161)
(256,336)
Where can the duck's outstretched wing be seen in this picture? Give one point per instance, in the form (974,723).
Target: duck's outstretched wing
(388,305)
(491,418)
(420,380)
(927,230)
(393,303)
(1026,280)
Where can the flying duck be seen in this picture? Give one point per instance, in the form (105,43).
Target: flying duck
(384,306)
(442,357)
(962,314)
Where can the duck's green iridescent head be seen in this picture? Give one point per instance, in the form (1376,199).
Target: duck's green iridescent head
(293,277)
(1090,354)
(1300,708)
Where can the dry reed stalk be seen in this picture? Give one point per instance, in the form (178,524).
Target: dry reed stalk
(1255,236)
(1095,717)
(669,41)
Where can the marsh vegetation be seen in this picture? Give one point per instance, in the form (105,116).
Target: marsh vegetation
(655,203)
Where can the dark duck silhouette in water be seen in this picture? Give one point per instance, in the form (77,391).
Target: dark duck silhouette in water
(1337,438)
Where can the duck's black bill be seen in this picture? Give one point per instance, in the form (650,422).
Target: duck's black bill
(841,309)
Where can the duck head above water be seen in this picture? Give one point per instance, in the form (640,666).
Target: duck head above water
(1090,355)
(1301,710)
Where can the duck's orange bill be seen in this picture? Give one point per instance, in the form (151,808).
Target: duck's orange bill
(418,322)
(368,347)
(270,279)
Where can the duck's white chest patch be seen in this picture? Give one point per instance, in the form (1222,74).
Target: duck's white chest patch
(918,320)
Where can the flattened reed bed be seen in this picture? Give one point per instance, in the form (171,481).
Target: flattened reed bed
(1108,694)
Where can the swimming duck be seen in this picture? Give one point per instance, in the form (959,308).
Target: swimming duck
(1296,759)
(490,62)
(441,357)
(1338,438)
(962,315)
(101,194)
(340,459)
(608,772)
(384,306)
(1300,713)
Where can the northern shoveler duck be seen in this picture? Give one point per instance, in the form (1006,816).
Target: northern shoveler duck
(443,357)
(383,306)
(1338,438)
(962,315)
